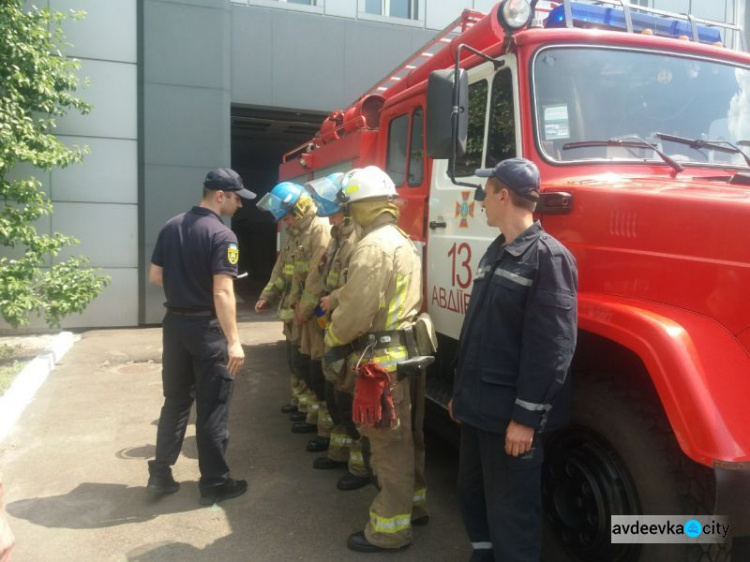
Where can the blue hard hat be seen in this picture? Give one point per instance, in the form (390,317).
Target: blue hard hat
(325,192)
(281,199)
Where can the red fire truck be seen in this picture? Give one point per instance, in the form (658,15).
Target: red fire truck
(639,121)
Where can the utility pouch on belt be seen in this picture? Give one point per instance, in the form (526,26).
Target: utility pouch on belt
(414,366)
(424,334)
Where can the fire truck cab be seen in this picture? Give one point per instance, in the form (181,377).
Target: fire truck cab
(639,122)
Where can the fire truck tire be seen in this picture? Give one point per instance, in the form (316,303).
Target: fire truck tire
(618,456)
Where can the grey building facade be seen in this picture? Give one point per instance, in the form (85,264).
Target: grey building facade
(181,86)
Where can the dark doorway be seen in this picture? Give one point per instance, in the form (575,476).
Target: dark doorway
(260,138)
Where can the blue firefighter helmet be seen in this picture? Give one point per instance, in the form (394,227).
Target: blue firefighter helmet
(281,199)
(325,192)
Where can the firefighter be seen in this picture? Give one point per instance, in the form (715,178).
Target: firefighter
(376,309)
(344,445)
(517,343)
(282,199)
(313,241)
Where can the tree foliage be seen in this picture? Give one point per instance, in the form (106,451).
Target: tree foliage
(472,159)
(36,87)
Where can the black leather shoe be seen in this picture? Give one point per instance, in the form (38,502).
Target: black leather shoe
(358,542)
(298,417)
(289,409)
(420,521)
(229,489)
(162,484)
(318,445)
(303,427)
(349,482)
(324,463)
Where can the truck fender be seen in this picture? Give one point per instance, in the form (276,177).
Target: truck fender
(699,369)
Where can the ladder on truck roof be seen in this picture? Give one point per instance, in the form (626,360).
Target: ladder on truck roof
(441,40)
(466,20)
(463,22)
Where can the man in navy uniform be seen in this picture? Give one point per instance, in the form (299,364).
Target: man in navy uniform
(195,259)
(515,350)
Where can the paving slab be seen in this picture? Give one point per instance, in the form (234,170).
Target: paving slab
(75,469)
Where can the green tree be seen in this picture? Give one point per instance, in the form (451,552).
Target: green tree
(36,85)
(472,159)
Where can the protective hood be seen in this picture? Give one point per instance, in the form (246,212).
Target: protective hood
(365,212)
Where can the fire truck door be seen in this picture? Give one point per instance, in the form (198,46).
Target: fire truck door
(457,233)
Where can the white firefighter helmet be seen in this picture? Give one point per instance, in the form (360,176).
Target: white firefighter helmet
(367,183)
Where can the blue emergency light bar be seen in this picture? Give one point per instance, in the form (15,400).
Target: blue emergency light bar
(590,16)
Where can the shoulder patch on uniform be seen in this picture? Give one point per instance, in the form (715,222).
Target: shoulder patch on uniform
(233,253)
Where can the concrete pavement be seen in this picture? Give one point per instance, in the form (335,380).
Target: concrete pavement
(75,469)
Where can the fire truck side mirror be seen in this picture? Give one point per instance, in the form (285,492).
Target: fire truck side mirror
(447,114)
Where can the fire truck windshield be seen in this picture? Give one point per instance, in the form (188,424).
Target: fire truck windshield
(585,95)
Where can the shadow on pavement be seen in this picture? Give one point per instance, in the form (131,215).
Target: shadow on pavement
(142,452)
(92,506)
(290,512)
(167,551)
(189,449)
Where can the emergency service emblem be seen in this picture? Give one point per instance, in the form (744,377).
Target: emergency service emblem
(233,253)
(464,209)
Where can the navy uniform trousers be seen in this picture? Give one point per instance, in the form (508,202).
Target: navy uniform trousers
(500,498)
(194,367)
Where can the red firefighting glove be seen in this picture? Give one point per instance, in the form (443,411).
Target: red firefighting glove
(373,386)
(388,419)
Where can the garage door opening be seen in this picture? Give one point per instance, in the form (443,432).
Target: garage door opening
(260,137)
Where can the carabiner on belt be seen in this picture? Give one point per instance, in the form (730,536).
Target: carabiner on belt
(369,349)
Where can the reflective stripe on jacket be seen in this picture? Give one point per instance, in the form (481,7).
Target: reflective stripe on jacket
(315,234)
(383,290)
(279,286)
(519,334)
(331,271)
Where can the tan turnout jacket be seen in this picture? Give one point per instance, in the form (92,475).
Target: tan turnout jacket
(279,286)
(315,234)
(383,290)
(330,272)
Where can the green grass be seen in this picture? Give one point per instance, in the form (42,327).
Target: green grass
(8,373)
(13,358)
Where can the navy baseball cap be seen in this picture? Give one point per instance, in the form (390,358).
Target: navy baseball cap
(517,174)
(226,179)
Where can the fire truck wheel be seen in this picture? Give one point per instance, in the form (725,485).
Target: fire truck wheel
(618,456)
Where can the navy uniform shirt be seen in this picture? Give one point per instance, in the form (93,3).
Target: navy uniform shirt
(192,248)
(519,334)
